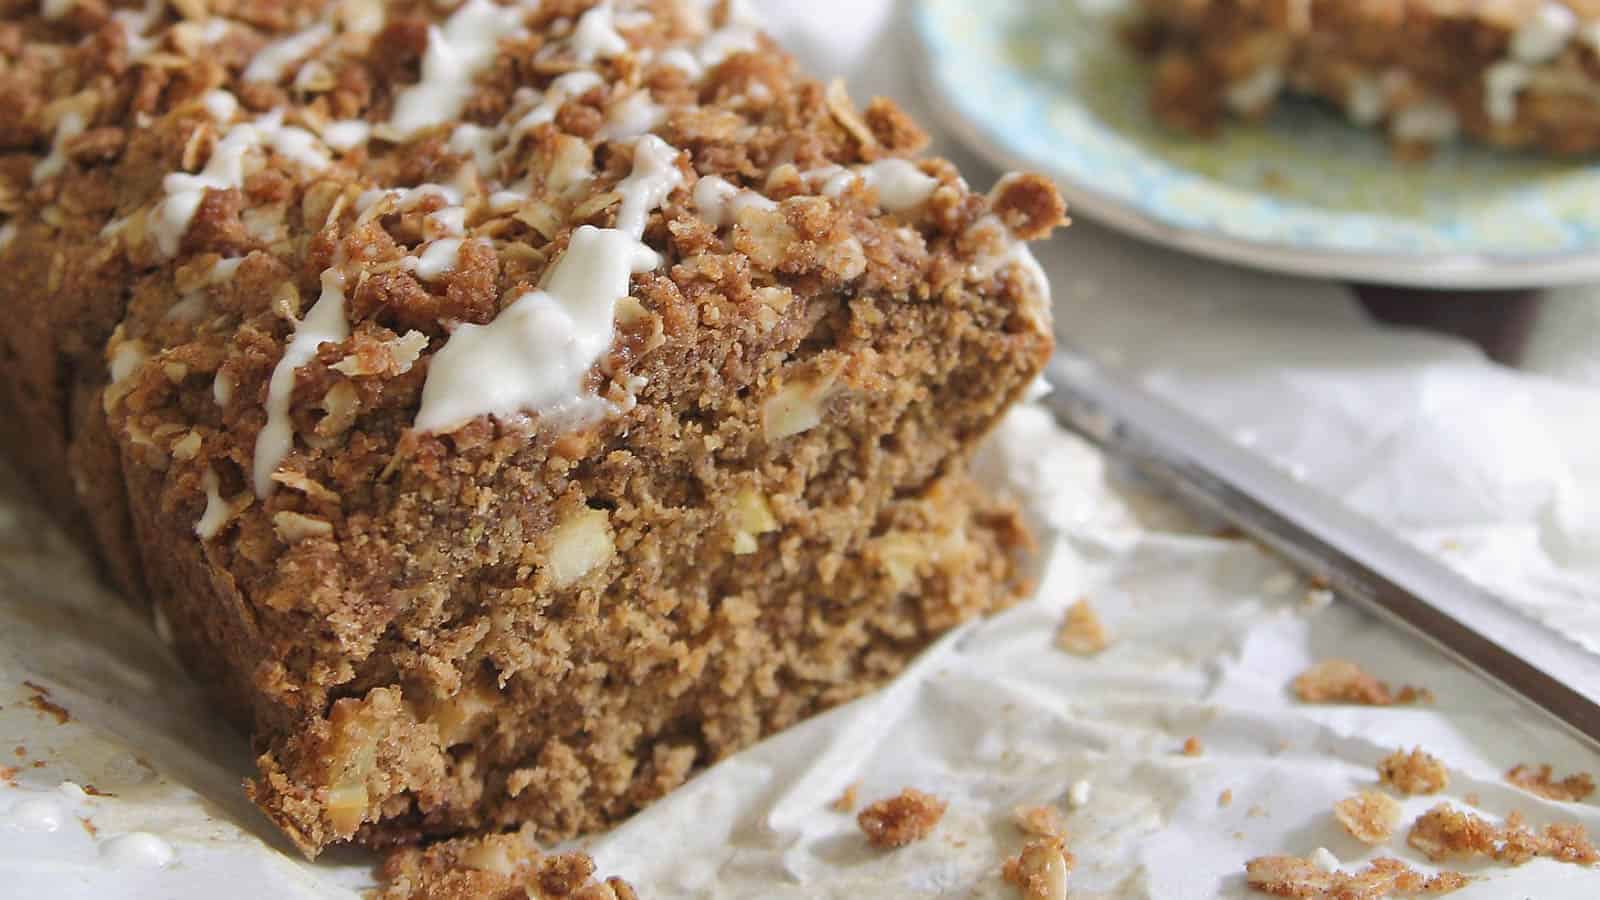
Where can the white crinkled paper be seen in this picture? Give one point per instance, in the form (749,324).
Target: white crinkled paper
(1496,470)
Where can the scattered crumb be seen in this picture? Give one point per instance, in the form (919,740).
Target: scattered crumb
(1472,799)
(1238,835)
(21,751)
(494,866)
(88,826)
(38,764)
(1342,681)
(1082,633)
(1370,816)
(1444,832)
(1413,773)
(1317,599)
(846,802)
(8,775)
(93,791)
(1040,870)
(1039,821)
(902,819)
(1225,798)
(1292,876)
(1193,747)
(1078,794)
(1572,789)
(36,688)
(39,703)
(1255,811)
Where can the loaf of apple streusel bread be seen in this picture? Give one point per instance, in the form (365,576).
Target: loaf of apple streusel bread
(507,407)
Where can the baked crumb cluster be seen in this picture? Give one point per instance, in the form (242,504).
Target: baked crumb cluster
(494,867)
(1445,832)
(1342,681)
(511,406)
(1541,780)
(1292,876)
(1416,772)
(1082,633)
(1515,74)
(1370,816)
(905,818)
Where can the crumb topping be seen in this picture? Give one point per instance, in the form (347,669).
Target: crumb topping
(1082,633)
(1293,876)
(1370,816)
(1040,871)
(1342,681)
(903,819)
(1445,832)
(1574,788)
(494,867)
(1416,772)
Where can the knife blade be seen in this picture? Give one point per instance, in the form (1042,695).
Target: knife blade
(1325,540)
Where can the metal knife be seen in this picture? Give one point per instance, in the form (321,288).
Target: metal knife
(1324,539)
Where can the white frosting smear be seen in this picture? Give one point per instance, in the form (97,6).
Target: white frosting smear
(720,202)
(69,126)
(325,323)
(456,53)
(900,184)
(346,134)
(534,356)
(654,177)
(1545,34)
(596,35)
(271,61)
(216,512)
(438,258)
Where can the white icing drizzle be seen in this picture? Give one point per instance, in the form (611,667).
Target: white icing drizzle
(55,9)
(8,233)
(438,258)
(535,354)
(226,169)
(274,59)
(720,202)
(637,114)
(126,358)
(346,134)
(596,37)
(325,323)
(221,105)
(69,126)
(568,86)
(135,24)
(900,184)
(217,510)
(456,53)
(652,180)
(222,389)
(1545,33)
(1502,85)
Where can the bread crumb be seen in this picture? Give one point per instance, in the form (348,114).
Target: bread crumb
(1413,773)
(1342,681)
(8,776)
(902,819)
(1082,633)
(1039,821)
(1193,747)
(1370,816)
(1225,798)
(39,703)
(1292,876)
(1473,799)
(1445,832)
(1572,789)
(1040,871)
(846,802)
(494,865)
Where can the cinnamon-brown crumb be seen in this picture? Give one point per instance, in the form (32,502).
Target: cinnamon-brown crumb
(1292,876)
(8,775)
(902,819)
(21,751)
(88,826)
(494,867)
(36,687)
(1445,832)
(93,791)
(1572,789)
(1193,747)
(846,802)
(1225,798)
(1370,816)
(39,703)
(1413,773)
(1342,681)
(1082,633)
(1040,871)
(1039,821)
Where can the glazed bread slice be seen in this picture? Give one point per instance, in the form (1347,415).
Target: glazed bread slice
(506,408)
(1514,73)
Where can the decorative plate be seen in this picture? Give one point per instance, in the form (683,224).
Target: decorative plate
(1050,86)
